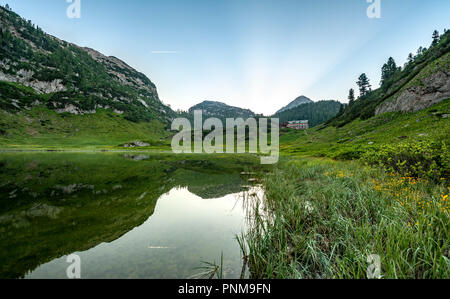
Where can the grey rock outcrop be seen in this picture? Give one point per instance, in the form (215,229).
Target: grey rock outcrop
(432,90)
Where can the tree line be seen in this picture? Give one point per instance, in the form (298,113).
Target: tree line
(392,76)
(390,69)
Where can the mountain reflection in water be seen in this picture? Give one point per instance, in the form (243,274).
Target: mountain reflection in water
(155,217)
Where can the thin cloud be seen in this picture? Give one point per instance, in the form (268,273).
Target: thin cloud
(166,52)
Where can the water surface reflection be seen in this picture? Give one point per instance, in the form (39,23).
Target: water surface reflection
(158,216)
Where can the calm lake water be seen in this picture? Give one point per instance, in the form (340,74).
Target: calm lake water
(124,215)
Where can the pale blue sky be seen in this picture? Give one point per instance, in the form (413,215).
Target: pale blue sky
(257,54)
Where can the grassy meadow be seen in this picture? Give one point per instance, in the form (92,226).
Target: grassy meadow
(322,219)
(43,129)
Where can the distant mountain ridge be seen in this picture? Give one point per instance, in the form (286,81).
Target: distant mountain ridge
(295,103)
(221,110)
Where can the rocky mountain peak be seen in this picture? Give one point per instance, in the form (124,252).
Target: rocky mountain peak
(295,103)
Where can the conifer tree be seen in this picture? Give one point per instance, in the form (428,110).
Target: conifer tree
(364,85)
(351,96)
(436,37)
(388,70)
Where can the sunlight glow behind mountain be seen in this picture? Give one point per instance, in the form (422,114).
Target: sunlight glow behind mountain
(254,54)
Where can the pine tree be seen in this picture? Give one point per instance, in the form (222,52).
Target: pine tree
(436,37)
(351,97)
(364,85)
(388,70)
(420,51)
(410,57)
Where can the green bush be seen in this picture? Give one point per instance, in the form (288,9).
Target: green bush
(424,159)
(347,153)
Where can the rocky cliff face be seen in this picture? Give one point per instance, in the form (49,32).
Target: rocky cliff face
(67,78)
(430,87)
(25,77)
(122,71)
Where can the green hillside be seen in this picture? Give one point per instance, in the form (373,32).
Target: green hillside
(42,128)
(424,74)
(351,140)
(317,113)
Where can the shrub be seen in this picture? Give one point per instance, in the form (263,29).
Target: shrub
(424,159)
(349,153)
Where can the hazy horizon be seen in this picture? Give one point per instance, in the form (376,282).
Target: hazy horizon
(258,55)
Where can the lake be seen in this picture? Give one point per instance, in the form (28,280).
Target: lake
(126,215)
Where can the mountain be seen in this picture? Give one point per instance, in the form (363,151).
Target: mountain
(221,110)
(37,69)
(295,103)
(423,82)
(316,112)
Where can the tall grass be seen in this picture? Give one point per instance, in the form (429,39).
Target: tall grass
(210,270)
(322,219)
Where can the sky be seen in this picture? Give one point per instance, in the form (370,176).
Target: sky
(255,54)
